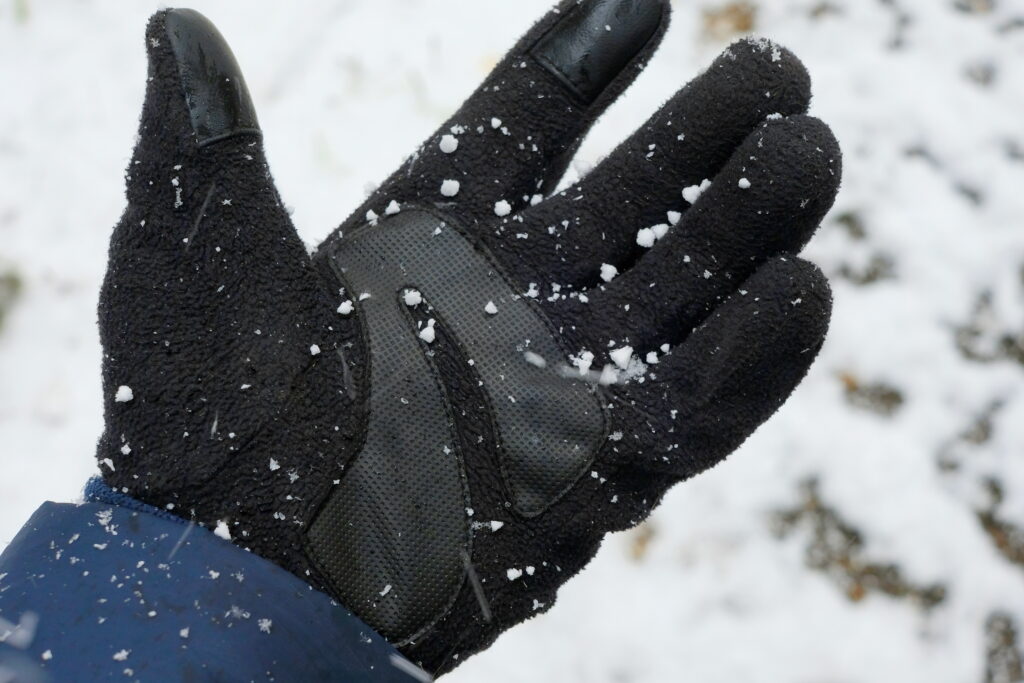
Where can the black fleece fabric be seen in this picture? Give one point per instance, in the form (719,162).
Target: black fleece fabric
(247,362)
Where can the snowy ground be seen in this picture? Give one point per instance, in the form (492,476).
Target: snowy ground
(904,563)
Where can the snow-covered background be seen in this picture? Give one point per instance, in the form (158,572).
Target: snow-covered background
(872,531)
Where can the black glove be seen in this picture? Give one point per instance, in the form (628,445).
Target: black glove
(438,418)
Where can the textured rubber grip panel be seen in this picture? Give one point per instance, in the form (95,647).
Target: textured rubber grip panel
(391,536)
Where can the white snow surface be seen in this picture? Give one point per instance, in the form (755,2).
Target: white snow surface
(346,90)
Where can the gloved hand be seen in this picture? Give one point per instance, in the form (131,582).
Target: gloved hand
(438,417)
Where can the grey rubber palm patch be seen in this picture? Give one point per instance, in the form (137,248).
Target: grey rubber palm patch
(391,536)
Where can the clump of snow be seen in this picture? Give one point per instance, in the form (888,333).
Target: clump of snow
(449,143)
(621,356)
(513,573)
(427,334)
(490,308)
(645,237)
(609,375)
(222,530)
(314,350)
(608,271)
(392,208)
(346,307)
(693,192)
(123,394)
(583,361)
(449,188)
(744,184)
(502,208)
(412,297)
(495,123)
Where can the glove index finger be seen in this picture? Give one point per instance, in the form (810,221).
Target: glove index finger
(511,141)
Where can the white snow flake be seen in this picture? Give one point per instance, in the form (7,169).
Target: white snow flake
(427,334)
(449,143)
(449,188)
(621,356)
(412,297)
(645,237)
(693,192)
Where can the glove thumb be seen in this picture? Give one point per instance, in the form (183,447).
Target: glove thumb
(210,308)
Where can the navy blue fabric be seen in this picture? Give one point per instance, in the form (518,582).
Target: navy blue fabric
(97,491)
(97,591)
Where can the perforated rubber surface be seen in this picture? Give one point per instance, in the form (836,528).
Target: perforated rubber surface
(391,536)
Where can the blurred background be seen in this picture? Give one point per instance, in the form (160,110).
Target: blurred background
(873,530)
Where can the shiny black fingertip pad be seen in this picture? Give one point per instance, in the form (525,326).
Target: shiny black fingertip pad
(596,40)
(215,92)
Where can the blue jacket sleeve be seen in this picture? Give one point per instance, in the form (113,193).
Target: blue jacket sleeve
(100,591)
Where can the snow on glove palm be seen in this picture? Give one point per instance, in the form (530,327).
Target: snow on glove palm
(503,377)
